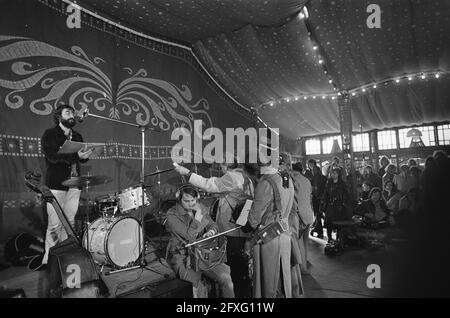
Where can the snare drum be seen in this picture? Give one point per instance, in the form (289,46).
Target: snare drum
(107,205)
(131,199)
(114,241)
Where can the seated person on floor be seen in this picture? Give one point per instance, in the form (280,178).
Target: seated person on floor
(189,221)
(391,196)
(375,216)
(366,187)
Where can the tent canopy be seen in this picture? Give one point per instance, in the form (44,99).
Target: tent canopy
(289,69)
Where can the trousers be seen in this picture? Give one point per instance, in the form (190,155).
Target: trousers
(68,200)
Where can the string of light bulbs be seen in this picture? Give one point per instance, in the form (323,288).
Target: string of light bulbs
(361,89)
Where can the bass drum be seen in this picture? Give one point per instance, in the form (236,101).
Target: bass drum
(114,241)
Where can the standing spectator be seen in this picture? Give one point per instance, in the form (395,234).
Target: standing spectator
(335,163)
(412,163)
(391,171)
(310,166)
(371,177)
(414,177)
(430,168)
(335,201)
(318,183)
(401,179)
(384,162)
(274,197)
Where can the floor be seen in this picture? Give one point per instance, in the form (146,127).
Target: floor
(340,276)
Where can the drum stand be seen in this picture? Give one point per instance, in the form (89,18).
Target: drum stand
(141,237)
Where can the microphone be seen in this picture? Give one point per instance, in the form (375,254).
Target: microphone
(80,117)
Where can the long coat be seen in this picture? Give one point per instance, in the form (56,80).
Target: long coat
(273,258)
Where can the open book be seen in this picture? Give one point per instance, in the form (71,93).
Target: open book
(74,146)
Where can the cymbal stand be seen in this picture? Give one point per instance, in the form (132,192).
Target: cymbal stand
(88,245)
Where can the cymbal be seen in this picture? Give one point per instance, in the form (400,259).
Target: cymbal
(84,181)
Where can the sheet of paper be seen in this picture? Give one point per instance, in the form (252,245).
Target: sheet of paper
(74,146)
(242,219)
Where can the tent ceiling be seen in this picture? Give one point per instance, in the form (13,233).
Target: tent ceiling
(261,51)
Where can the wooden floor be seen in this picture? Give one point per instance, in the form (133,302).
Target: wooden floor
(338,276)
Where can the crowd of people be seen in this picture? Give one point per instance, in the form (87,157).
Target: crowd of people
(386,196)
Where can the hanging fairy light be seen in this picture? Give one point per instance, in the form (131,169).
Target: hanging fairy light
(397,79)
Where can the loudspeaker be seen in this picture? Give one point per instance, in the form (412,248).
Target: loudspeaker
(174,288)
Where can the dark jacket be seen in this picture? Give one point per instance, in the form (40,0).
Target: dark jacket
(59,165)
(181,225)
(335,202)
(318,183)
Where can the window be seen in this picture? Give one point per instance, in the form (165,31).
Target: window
(427,136)
(361,142)
(312,146)
(444,134)
(327,143)
(386,139)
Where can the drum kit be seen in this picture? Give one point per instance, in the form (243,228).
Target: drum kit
(114,237)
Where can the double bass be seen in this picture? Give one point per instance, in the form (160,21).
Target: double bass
(71,271)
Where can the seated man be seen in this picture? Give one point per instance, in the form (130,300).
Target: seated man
(187,222)
(234,187)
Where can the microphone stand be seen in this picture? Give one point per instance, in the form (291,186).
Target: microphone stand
(141,236)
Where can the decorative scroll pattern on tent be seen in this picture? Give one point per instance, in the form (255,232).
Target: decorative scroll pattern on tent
(81,82)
